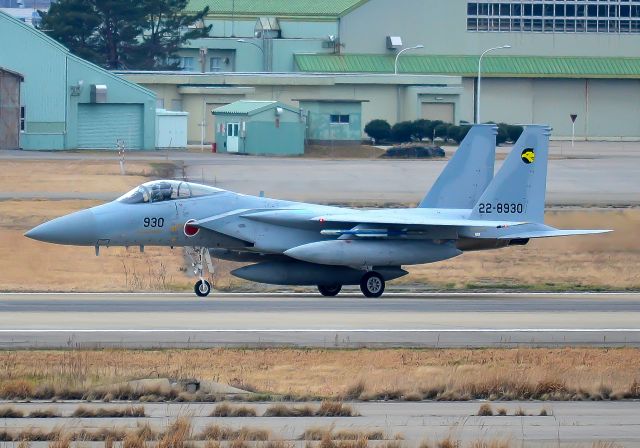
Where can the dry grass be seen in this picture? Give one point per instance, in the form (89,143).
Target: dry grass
(595,261)
(130,411)
(485,410)
(9,412)
(44,413)
(80,176)
(334,409)
(217,433)
(327,433)
(228,410)
(444,374)
(282,410)
(69,268)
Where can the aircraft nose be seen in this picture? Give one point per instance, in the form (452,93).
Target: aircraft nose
(77,228)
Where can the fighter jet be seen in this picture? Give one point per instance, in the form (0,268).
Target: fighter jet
(294,243)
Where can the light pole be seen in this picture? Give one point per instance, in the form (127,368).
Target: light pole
(395,64)
(480,77)
(244,41)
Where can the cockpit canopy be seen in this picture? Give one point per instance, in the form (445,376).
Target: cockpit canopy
(166,190)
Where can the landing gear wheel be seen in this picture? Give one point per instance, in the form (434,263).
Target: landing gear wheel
(202,288)
(329,290)
(372,284)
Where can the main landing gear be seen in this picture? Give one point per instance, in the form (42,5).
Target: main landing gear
(199,256)
(329,290)
(372,285)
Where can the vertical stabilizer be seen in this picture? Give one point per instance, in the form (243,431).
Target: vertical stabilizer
(468,173)
(517,192)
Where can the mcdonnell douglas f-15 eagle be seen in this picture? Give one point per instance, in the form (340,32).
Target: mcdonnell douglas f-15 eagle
(294,243)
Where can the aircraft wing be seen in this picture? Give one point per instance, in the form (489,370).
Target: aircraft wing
(400,219)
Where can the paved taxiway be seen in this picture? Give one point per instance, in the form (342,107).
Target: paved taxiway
(568,423)
(428,320)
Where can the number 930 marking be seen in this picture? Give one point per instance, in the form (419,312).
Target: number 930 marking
(500,207)
(153,222)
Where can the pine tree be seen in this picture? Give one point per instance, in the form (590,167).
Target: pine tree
(120,34)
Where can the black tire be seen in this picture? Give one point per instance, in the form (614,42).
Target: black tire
(372,284)
(329,290)
(202,289)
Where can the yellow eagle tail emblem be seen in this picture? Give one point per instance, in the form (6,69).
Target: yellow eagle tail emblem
(528,155)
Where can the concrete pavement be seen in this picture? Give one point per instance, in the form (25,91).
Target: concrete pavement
(414,320)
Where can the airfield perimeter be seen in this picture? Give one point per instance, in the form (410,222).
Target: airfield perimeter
(59,320)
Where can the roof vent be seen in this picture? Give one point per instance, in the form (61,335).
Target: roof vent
(267,28)
(394,42)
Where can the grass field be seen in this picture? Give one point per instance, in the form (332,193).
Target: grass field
(444,374)
(595,262)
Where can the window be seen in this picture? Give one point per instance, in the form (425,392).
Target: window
(339,119)
(159,103)
(22,119)
(553,16)
(186,63)
(215,64)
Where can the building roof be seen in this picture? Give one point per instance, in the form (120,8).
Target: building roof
(11,72)
(277,8)
(493,66)
(248,107)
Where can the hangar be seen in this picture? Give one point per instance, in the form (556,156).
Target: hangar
(567,57)
(69,103)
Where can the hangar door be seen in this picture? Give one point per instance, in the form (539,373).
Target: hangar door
(101,125)
(10,110)
(438,111)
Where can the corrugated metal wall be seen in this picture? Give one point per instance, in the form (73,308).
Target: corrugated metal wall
(101,125)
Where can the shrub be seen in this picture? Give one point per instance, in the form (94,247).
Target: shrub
(424,128)
(513,132)
(485,410)
(282,410)
(378,129)
(8,412)
(441,130)
(226,410)
(458,133)
(334,409)
(402,131)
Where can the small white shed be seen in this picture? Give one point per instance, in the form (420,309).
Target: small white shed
(171,129)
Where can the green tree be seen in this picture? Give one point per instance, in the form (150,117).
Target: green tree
(119,34)
(165,24)
(378,130)
(402,131)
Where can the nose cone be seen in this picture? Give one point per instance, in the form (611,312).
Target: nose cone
(78,229)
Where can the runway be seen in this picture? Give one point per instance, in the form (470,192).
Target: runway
(62,320)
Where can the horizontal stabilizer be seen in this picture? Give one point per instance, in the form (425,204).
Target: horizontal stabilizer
(549,233)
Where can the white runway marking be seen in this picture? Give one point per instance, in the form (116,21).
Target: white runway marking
(347,294)
(331,330)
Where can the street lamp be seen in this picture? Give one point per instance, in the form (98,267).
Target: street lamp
(480,75)
(395,64)
(244,41)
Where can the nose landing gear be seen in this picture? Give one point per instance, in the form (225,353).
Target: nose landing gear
(200,255)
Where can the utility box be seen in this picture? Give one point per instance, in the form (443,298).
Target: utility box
(98,93)
(259,128)
(171,129)
(394,42)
